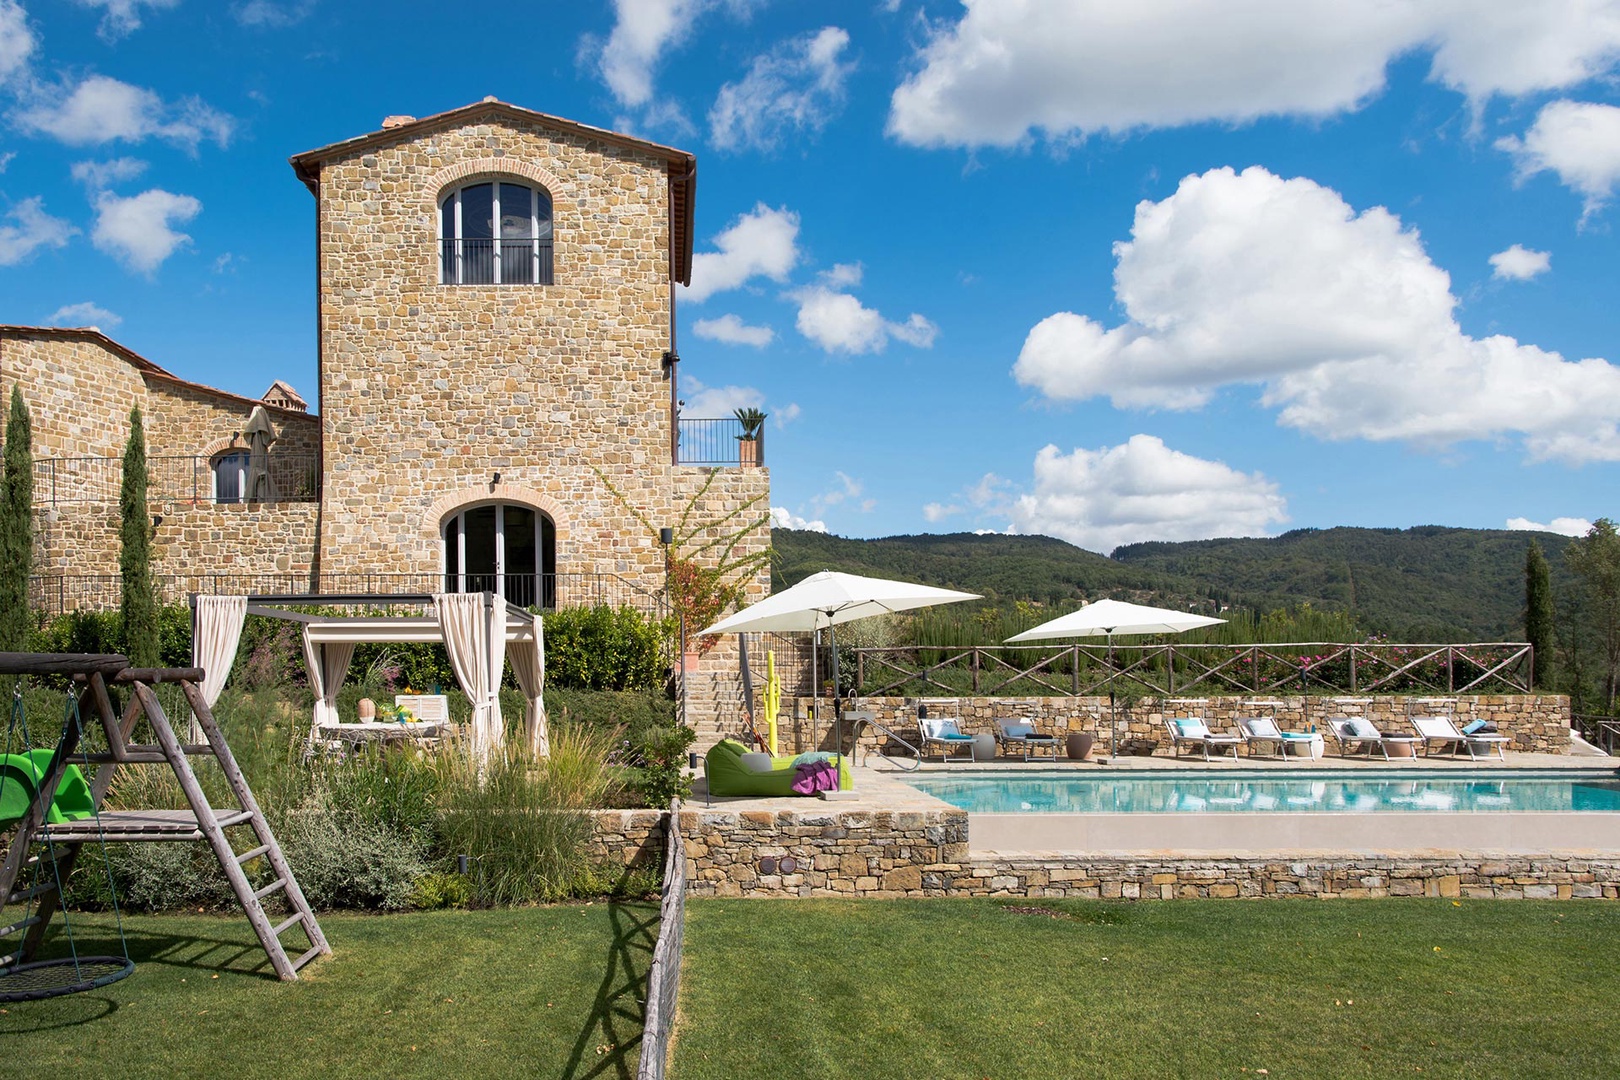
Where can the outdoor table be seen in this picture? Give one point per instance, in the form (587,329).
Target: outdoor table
(388,731)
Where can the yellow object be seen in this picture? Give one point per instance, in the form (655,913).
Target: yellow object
(773,699)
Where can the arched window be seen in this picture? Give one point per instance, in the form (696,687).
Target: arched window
(230,476)
(503,548)
(495,233)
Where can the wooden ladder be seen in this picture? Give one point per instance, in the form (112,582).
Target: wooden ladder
(35,842)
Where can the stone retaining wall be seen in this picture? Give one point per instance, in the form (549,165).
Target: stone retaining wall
(885,855)
(1537,723)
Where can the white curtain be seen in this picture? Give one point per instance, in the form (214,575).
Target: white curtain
(472,636)
(528,660)
(216,630)
(327,664)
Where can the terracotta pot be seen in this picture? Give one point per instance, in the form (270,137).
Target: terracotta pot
(748,453)
(691,661)
(1079,744)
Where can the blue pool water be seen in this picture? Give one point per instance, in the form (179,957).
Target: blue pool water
(1447,792)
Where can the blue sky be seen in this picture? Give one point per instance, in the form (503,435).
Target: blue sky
(1167,270)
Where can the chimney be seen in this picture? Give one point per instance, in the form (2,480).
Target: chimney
(397,121)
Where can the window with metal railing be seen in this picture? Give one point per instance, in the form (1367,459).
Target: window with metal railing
(495,233)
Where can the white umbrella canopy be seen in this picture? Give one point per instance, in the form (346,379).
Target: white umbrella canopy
(826,599)
(1108,617)
(1105,618)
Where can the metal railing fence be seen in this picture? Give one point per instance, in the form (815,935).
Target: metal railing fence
(294,477)
(717,442)
(504,261)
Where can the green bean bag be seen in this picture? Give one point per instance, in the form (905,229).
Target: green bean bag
(726,775)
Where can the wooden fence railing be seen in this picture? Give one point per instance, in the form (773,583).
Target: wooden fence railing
(1083,670)
(664,977)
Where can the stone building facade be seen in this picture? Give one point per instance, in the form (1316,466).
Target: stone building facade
(496,403)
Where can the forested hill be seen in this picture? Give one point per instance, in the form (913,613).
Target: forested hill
(1429,583)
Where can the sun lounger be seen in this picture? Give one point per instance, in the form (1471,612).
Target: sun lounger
(1021,735)
(1263,729)
(941,731)
(1192,729)
(1442,729)
(1361,733)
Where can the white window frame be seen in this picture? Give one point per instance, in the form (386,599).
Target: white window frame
(459,520)
(533,239)
(214,464)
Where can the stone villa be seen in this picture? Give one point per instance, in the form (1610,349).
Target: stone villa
(496,407)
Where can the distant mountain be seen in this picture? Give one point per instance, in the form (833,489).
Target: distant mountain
(1426,583)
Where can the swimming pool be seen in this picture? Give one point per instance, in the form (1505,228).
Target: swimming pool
(1405,791)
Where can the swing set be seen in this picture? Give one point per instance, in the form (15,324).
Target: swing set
(49,811)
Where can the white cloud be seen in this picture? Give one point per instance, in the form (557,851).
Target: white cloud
(645,30)
(1579,141)
(6,159)
(717,402)
(839,323)
(842,276)
(730,330)
(934,512)
(16,41)
(783,518)
(849,490)
(101,175)
(1143,490)
(1076,67)
(1519,263)
(268,13)
(139,231)
(1564,526)
(123,17)
(1339,317)
(33,230)
(761,243)
(786,414)
(101,110)
(793,89)
(85,314)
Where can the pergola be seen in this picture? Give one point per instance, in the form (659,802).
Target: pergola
(479,631)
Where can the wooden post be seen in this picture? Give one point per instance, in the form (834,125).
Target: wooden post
(975,669)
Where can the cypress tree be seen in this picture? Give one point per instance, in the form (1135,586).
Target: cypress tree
(1538,613)
(16,526)
(139,604)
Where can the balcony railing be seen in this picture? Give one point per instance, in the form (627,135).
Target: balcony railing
(56,594)
(495,262)
(717,442)
(293,478)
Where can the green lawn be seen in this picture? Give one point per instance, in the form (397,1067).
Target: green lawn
(548,992)
(1313,989)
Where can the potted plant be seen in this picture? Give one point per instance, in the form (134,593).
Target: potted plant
(753,423)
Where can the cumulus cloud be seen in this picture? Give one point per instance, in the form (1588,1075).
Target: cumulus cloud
(123,17)
(786,414)
(643,32)
(1340,318)
(839,323)
(842,276)
(139,231)
(16,41)
(935,512)
(730,330)
(1519,263)
(783,518)
(1579,141)
(86,314)
(711,402)
(1142,490)
(1074,67)
(794,89)
(102,109)
(761,243)
(101,175)
(33,229)
(1564,526)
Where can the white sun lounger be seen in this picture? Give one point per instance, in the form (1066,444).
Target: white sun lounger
(1439,728)
(942,732)
(1361,732)
(1264,729)
(1192,729)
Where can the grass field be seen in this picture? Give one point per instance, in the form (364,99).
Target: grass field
(549,992)
(1313,989)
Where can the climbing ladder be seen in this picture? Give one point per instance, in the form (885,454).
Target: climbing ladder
(199,823)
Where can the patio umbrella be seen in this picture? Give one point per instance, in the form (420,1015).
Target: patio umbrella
(822,601)
(260,433)
(1105,618)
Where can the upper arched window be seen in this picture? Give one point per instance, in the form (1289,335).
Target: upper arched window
(495,233)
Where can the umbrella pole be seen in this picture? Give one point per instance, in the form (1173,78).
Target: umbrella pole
(815,673)
(838,716)
(1113,721)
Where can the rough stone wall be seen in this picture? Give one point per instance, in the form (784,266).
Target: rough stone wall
(627,837)
(192,421)
(1536,722)
(429,390)
(882,855)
